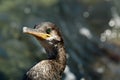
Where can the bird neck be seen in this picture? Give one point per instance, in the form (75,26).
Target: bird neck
(61,56)
(57,53)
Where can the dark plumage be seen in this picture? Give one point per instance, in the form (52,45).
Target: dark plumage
(52,68)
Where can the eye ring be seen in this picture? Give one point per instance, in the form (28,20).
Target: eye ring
(48,31)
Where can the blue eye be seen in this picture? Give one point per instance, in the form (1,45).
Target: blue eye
(48,31)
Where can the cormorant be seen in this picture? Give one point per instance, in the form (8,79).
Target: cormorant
(50,38)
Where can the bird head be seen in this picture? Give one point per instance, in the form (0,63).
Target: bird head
(48,35)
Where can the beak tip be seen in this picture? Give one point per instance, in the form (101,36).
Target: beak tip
(24,29)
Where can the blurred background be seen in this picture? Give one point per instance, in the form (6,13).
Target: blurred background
(91,30)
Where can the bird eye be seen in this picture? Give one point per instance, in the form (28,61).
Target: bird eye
(48,31)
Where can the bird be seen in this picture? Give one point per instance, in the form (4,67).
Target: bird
(50,38)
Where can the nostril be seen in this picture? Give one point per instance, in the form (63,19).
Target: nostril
(35,26)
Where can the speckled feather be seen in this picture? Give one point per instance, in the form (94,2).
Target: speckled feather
(48,69)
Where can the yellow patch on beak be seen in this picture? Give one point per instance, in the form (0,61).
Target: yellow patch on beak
(36,33)
(42,35)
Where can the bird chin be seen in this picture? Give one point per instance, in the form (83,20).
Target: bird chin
(50,43)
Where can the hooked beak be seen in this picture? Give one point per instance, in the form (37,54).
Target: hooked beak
(36,33)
